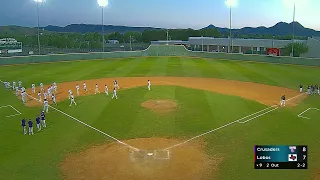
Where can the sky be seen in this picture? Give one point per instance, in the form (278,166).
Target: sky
(194,14)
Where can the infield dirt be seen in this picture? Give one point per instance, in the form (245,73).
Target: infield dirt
(264,94)
(113,161)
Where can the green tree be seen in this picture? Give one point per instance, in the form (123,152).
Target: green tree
(298,49)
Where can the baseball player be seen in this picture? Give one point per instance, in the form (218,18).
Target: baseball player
(97,89)
(13,85)
(38,123)
(49,91)
(23,96)
(301,88)
(23,124)
(70,93)
(8,85)
(23,89)
(41,86)
(55,86)
(19,84)
(116,85)
(45,95)
(283,101)
(17,91)
(53,97)
(84,87)
(114,93)
(39,96)
(106,89)
(33,86)
(72,100)
(319,90)
(45,105)
(149,85)
(77,88)
(43,119)
(30,127)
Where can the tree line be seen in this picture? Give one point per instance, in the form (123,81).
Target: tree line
(94,40)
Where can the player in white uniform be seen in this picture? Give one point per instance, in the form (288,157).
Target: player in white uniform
(8,85)
(70,93)
(116,85)
(77,88)
(53,97)
(45,105)
(283,101)
(149,85)
(49,91)
(23,89)
(17,91)
(41,86)
(106,89)
(33,86)
(23,96)
(114,93)
(85,87)
(72,100)
(39,96)
(97,89)
(45,95)
(19,84)
(13,85)
(55,86)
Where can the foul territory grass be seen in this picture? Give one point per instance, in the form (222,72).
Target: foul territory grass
(39,156)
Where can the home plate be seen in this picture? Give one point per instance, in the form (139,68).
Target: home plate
(150,154)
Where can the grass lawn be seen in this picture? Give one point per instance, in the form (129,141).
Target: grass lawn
(39,156)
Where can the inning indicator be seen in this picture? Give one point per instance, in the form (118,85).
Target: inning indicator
(280,157)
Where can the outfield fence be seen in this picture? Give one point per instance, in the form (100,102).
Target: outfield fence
(157,50)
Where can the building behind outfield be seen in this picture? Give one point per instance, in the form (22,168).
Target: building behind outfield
(244,46)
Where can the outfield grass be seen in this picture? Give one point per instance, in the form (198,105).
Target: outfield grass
(39,156)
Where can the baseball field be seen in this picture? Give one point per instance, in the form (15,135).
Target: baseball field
(200,120)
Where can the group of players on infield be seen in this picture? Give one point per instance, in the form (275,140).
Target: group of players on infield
(52,89)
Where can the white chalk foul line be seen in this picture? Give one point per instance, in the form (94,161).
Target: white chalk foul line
(120,142)
(226,125)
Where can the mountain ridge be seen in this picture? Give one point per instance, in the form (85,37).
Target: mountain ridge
(279,29)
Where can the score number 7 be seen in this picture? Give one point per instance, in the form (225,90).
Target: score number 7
(304,157)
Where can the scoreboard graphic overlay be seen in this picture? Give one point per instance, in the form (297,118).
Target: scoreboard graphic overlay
(280,157)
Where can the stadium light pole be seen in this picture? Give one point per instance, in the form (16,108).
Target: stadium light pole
(230,4)
(38,16)
(294,14)
(102,4)
(167,36)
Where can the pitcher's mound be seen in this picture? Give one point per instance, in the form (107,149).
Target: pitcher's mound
(160,106)
(116,161)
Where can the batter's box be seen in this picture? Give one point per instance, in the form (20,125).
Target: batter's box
(162,154)
(149,154)
(8,111)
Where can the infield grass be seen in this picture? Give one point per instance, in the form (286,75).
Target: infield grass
(39,156)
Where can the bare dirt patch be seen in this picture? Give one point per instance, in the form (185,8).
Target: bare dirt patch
(160,106)
(317,175)
(114,161)
(264,94)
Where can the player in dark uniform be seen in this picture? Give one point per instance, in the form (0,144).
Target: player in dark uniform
(23,124)
(283,100)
